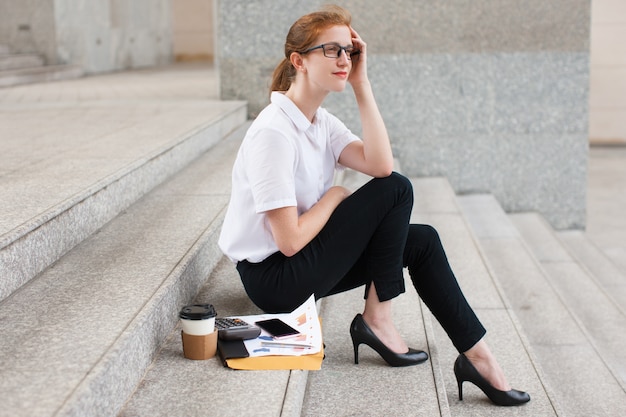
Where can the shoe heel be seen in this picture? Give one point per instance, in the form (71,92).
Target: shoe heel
(459,382)
(356,351)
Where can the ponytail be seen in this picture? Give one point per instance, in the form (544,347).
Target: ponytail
(283,76)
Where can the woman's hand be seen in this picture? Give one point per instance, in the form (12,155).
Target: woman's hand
(373,156)
(292,232)
(339,192)
(358,73)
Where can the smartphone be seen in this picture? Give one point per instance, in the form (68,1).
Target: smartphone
(277,328)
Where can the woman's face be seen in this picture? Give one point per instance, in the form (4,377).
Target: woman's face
(328,73)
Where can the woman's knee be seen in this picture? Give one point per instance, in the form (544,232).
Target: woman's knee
(431,234)
(424,249)
(401,180)
(396,181)
(424,235)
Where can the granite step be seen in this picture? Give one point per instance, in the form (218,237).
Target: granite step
(548,299)
(600,268)
(87,164)
(341,388)
(594,305)
(78,338)
(39,74)
(19,61)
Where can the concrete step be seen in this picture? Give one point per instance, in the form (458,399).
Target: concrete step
(90,162)
(599,314)
(13,77)
(577,375)
(606,274)
(4,50)
(78,338)
(341,388)
(19,61)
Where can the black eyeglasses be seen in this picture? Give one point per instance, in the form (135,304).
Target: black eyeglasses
(333,50)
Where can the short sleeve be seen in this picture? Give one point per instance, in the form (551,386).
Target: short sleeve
(270,158)
(339,136)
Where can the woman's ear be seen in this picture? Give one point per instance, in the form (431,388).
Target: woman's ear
(297,61)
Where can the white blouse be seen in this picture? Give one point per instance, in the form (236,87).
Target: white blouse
(284,160)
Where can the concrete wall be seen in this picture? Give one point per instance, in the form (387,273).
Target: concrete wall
(491,94)
(607,101)
(99,35)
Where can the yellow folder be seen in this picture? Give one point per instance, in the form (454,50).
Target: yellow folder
(305,362)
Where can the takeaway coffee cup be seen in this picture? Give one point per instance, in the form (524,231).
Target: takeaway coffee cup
(198,334)
(198,319)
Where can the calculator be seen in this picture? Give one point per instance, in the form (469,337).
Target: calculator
(230,328)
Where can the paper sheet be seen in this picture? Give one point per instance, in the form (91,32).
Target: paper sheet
(304,319)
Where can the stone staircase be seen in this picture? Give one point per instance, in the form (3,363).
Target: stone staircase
(16,69)
(569,300)
(109,217)
(95,265)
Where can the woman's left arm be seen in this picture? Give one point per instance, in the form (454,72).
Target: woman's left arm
(373,155)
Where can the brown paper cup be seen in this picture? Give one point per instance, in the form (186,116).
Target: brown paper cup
(199,347)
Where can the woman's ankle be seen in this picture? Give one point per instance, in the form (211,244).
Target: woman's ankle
(486,364)
(386,332)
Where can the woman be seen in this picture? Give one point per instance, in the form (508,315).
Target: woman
(293,234)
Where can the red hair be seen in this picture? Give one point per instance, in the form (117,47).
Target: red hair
(301,36)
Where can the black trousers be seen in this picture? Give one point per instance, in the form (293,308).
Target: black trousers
(368,239)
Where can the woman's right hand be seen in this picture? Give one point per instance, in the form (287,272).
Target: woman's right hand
(340,192)
(292,232)
(358,73)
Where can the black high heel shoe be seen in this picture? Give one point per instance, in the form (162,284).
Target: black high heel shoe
(465,371)
(361,333)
